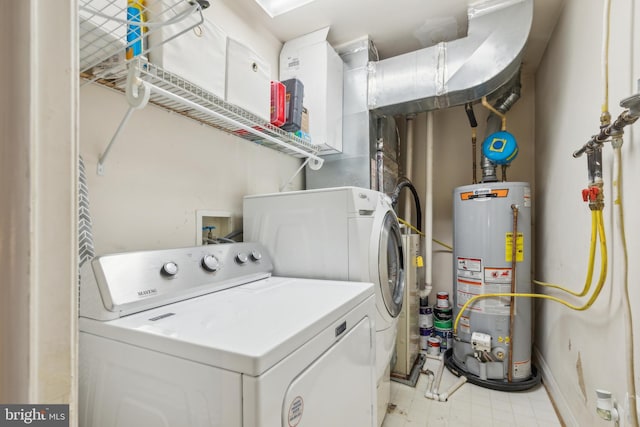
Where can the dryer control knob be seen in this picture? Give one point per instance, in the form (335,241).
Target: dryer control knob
(242,258)
(170,268)
(256,255)
(210,263)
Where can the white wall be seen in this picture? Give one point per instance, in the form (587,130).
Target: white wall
(14,224)
(583,351)
(38,175)
(165,167)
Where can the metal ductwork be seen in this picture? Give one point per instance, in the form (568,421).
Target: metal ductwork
(454,73)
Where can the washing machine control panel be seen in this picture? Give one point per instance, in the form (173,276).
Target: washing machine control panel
(131,282)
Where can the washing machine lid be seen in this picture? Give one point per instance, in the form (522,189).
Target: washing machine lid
(246,329)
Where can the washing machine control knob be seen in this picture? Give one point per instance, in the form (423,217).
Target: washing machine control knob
(170,268)
(241,258)
(210,263)
(256,255)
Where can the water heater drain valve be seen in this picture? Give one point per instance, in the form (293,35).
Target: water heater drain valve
(480,342)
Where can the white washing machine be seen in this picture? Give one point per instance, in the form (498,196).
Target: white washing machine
(206,336)
(345,233)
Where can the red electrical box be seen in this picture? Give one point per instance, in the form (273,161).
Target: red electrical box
(278,109)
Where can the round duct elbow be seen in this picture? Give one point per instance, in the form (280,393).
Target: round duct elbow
(456,72)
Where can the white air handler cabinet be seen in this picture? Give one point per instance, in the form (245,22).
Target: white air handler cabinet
(313,61)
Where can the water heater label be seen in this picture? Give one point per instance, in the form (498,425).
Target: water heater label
(522,369)
(508,247)
(469,282)
(527,197)
(497,281)
(464,296)
(482,193)
(497,275)
(469,265)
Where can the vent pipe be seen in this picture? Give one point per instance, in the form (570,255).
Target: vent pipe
(502,104)
(456,72)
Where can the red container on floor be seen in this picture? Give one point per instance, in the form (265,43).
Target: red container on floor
(278,109)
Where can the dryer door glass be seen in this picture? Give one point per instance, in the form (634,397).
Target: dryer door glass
(391,262)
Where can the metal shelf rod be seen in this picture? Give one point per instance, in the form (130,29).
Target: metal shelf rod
(103,157)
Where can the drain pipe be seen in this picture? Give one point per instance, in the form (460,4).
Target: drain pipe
(433,385)
(428,211)
(494,124)
(443,397)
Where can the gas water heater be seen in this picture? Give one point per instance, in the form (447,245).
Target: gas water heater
(493,343)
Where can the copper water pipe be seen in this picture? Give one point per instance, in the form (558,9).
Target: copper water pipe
(514,247)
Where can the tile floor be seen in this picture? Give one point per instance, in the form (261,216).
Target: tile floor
(469,406)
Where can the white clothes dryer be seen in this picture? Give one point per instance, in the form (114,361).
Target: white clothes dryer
(345,233)
(206,337)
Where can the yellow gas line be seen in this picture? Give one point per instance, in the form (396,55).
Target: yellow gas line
(490,107)
(592,254)
(402,221)
(589,303)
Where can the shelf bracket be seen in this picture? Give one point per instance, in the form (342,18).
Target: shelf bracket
(137,93)
(286,184)
(313,163)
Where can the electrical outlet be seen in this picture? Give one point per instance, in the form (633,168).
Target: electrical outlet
(220,221)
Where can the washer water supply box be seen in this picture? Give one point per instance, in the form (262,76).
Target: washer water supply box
(199,55)
(293,104)
(313,61)
(278,107)
(248,80)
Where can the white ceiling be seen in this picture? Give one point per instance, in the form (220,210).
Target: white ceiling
(395,27)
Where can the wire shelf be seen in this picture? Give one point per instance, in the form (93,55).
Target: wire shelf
(103,42)
(114,32)
(226,112)
(213,111)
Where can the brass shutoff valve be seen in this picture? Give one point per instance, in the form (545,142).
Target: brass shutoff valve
(595,196)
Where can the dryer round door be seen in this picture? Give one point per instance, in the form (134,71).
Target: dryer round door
(391,264)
